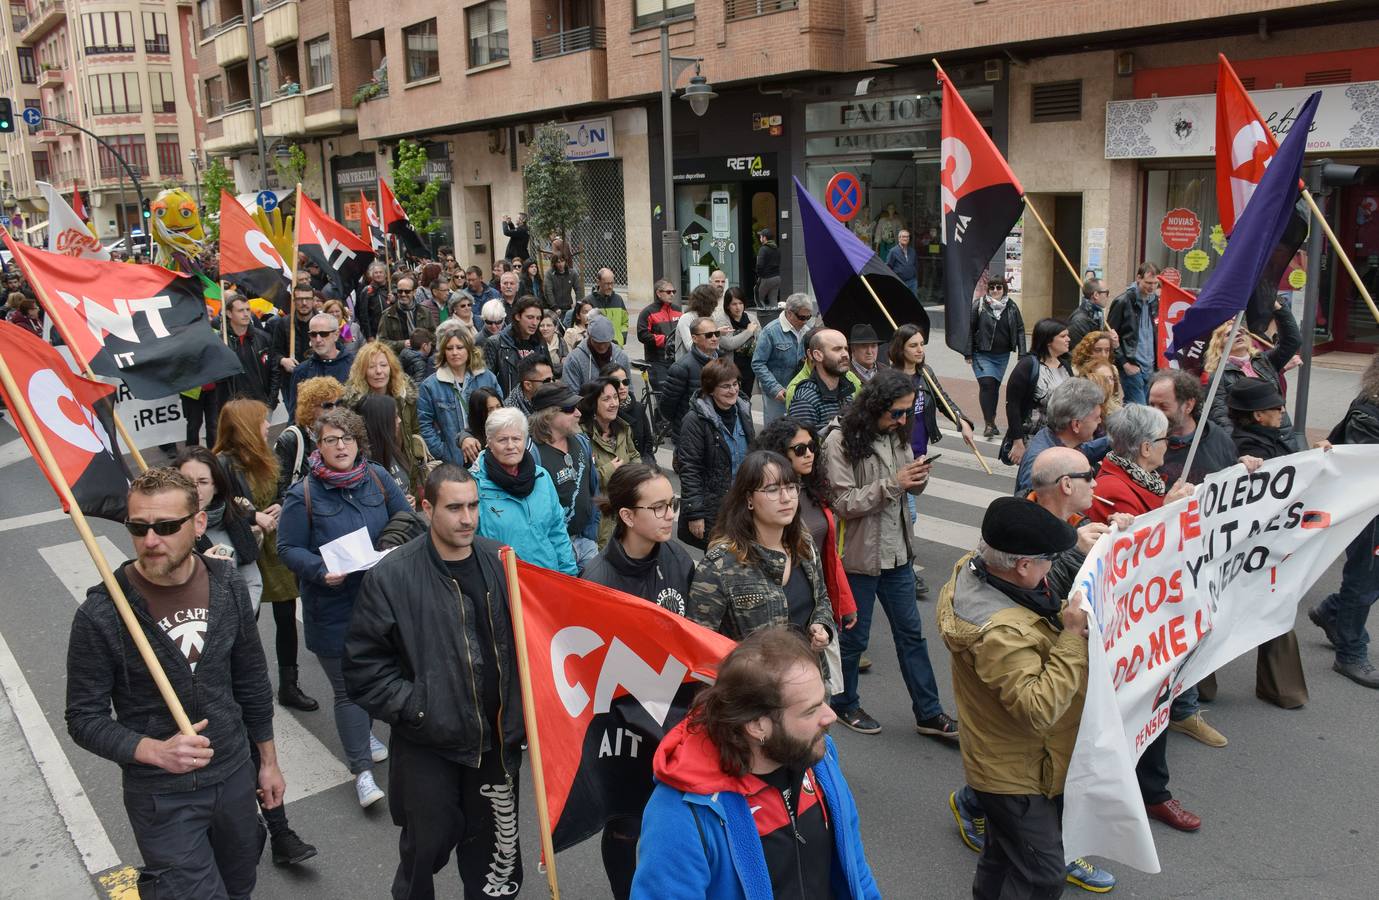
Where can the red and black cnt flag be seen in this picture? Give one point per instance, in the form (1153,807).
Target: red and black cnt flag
(396,223)
(142,324)
(77,420)
(981,201)
(248,259)
(338,251)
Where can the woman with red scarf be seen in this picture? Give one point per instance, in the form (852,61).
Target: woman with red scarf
(342,493)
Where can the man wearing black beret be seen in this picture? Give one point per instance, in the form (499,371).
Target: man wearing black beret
(1020,677)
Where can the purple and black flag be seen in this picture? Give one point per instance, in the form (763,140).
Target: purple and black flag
(839,263)
(1262,235)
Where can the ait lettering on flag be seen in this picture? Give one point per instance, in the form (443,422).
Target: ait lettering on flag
(68,233)
(371,227)
(981,201)
(248,259)
(610,675)
(396,223)
(142,324)
(338,251)
(1174,302)
(1185,590)
(75,416)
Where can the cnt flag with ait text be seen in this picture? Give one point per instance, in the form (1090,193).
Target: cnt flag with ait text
(610,675)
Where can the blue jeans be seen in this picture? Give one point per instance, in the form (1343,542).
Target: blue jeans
(1136,387)
(772,409)
(584,548)
(895,588)
(1347,609)
(1185,705)
(352,723)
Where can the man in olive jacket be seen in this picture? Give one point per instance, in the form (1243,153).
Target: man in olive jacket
(1020,678)
(430,651)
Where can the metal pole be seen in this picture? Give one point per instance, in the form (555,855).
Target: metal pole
(670,236)
(1311,297)
(133,177)
(254,98)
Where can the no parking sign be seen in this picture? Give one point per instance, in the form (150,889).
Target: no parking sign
(843,196)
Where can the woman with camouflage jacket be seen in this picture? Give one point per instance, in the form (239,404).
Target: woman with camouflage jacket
(762,568)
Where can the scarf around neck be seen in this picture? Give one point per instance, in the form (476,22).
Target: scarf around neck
(519,485)
(336,479)
(1150,481)
(995,307)
(1039,600)
(215,513)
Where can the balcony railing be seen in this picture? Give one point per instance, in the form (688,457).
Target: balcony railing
(572,41)
(105,49)
(746,9)
(157,45)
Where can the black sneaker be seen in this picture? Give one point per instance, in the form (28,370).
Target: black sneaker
(941,725)
(858,720)
(1325,624)
(921,589)
(288,849)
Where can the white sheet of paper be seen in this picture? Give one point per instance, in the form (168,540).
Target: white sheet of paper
(353,552)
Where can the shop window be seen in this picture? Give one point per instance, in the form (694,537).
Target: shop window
(651,12)
(488,32)
(1055,101)
(423,55)
(318,62)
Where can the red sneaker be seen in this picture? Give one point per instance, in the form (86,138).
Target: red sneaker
(1172,814)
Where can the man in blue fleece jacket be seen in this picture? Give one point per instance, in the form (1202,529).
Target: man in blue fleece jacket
(749,792)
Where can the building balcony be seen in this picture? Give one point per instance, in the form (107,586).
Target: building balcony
(573,41)
(236,130)
(280,23)
(51,78)
(44,16)
(232,43)
(48,133)
(289,117)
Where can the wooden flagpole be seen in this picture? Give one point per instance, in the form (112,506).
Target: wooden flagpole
(224,316)
(1236,325)
(292,305)
(538,774)
(1340,253)
(48,305)
(136,631)
(928,378)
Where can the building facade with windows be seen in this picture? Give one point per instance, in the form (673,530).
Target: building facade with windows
(121,70)
(295,61)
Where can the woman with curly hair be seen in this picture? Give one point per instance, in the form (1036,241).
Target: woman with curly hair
(296,442)
(1104,375)
(1095,346)
(1246,360)
(377,370)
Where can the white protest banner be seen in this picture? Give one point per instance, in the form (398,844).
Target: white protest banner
(1184,591)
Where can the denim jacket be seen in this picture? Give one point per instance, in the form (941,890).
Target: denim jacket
(443,410)
(777,357)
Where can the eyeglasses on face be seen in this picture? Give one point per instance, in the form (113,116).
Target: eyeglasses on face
(729,386)
(802,448)
(670,292)
(337,440)
(773,491)
(163,528)
(620,382)
(321,334)
(547,380)
(405,291)
(898,414)
(662,510)
(1087,476)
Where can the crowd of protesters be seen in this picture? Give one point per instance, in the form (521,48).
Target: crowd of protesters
(449,435)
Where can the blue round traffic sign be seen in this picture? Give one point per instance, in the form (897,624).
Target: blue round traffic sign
(32,116)
(843,196)
(267,200)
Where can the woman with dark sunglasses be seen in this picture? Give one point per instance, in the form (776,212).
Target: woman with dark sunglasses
(631,411)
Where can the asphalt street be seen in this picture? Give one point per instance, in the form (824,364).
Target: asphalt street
(1285,804)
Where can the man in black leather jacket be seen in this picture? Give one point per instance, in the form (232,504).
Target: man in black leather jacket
(430,651)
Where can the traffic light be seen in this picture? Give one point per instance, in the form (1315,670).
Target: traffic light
(6,115)
(147,212)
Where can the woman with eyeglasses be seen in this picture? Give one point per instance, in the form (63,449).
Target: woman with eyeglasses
(713,442)
(1031,382)
(631,411)
(997,330)
(461,311)
(296,442)
(1128,481)
(443,419)
(342,493)
(376,371)
(610,436)
(762,567)
(642,559)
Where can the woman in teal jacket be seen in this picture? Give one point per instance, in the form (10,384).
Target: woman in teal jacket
(518,504)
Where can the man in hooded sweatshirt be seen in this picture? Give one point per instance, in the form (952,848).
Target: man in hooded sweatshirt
(750,800)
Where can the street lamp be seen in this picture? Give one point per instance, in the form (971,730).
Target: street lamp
(698,93)
(196,173)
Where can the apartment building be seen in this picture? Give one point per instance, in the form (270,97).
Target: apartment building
(812,88)
(296,61)
(120,70)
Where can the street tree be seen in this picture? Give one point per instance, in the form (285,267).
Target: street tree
(414,190)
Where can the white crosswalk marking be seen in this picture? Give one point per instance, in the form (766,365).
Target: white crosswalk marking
(13,452)
(42,518)
(307,764)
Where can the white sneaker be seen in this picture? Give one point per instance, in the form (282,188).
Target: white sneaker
(369,792)
(377,749)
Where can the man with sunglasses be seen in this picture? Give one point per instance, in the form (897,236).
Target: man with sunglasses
(656,327)
(779,353)
(1019,675)
(303,308)
(326,356)
(190,798)
(1090,314)
(683,378)
(406,315)
(533,373)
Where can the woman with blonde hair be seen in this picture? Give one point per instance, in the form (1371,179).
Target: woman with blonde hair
(376,370)
(443,398)
(1103,374)
(1095,347)
(315,396)
(1246,360)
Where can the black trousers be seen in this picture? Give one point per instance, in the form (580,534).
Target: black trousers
(204,409)
(204,843)
(1152,771)
(1023,855)
(441,806)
